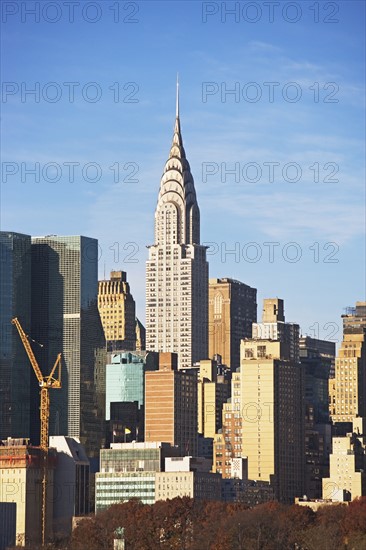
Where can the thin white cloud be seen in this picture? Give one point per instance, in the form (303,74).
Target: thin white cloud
(258,46)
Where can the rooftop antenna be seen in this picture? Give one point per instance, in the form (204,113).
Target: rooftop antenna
(177,99)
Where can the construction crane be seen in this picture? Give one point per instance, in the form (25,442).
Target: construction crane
(46,383)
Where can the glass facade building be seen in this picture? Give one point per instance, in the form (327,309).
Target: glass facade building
(65,317)
(15,301)
(125,377)
(127,470)
(122,486)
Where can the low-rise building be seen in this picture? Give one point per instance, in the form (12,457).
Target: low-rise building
(116,487)
(127,470)
(187,476)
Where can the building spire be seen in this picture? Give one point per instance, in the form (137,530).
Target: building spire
(177,187)
(177,99)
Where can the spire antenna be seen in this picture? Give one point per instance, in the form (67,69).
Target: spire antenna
(177,100)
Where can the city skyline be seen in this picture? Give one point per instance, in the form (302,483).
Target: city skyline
(200,280)
(222,130)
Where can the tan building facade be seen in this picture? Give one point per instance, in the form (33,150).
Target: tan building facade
(347,479)
(271,403)
(271,406)
(232,310)
(117,312)
(171,405)
(213,391)
(347,391)
(20,482)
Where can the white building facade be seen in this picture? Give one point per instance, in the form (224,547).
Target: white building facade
(177,270)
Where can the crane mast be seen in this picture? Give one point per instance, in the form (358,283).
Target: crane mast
(45,383)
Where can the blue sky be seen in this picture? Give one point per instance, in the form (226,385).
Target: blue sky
(309,55)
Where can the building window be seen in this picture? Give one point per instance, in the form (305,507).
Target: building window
(218,305)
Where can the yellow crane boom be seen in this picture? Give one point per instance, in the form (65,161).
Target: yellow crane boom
(45,382)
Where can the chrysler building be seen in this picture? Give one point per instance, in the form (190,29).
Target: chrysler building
(177,270)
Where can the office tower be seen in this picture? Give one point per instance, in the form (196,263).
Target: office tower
(187,477)
(232,310)
(125,389)
(21,474)
(15,301)
(117,312)
(347,479)
(65,319)
(272,405)
(347,391)
(177,270)
(317,358)
(171,405)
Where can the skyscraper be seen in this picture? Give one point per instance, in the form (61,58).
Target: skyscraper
(232,310)
(177,270)
(171,405)
(317,358)
(271,404)
(65,319)
(347,391)
(117,312)
(15,301)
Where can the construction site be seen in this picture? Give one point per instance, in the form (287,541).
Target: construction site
(26,471)
(22,473)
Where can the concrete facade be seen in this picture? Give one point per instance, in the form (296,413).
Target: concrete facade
(71,483)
